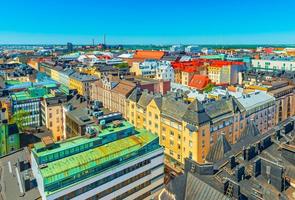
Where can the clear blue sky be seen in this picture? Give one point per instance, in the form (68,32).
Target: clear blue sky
(148,21)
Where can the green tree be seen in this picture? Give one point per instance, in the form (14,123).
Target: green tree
(209,88)
(20,117)
(122,65)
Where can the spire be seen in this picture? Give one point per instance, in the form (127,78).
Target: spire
(219,149)
(250,131)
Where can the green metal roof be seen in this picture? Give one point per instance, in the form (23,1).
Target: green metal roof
(69,166)
(80,140)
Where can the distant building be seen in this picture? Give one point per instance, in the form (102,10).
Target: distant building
(82,83)
(70,47)
(273,64)
(177,48)
(225,72)
(112,161)
(192,49)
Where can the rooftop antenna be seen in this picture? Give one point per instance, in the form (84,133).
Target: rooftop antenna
(104,39)
(92,42)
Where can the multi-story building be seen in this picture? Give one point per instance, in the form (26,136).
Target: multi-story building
(177,48)
(225,72)
(227,117)
(64,76)
(260,107)
(180,125)
(267,64)
(52,115)
(82,83)
(9,138)
(161,70)
(112,161)
(192,49)
(165,72)
(112,93)
(30,101)
(285,100)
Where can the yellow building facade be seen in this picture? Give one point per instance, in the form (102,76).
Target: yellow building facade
(178,141)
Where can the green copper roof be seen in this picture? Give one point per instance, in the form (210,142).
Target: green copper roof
(80,140)
(63,168)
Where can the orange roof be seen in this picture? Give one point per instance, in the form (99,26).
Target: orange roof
(146,54)
(199,81)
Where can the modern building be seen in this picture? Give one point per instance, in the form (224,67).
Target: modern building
(192,49)
(112,161)
(267,64)
(70,47)
(177,48)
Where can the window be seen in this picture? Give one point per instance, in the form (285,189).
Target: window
(190,143)
(190,155)
(203,143)
(171,142)
(50,115)
(156,116)
(156,126)
(203,133)
(171,133)
(50,124)
(171,152)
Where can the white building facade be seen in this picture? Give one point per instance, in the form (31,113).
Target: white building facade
(273,65)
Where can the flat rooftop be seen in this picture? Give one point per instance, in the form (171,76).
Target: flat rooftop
(10,187)
(60,169)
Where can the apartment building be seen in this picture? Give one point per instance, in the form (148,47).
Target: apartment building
(179,125)
(260,107)
(82,83)
(225,72)
(52,115)
(112,92)
(112,161)
(284,95)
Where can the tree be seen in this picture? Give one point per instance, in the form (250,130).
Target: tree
(209,88)
(20,117)
(122,65)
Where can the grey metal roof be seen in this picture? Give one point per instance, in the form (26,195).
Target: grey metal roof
(197,189)
(173,109)
(219,149)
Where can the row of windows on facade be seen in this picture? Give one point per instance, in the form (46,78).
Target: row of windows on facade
(110,178)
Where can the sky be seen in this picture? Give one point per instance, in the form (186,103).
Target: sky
(147,21)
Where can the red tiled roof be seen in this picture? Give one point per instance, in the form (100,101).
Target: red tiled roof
(199,81)
(194,64)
